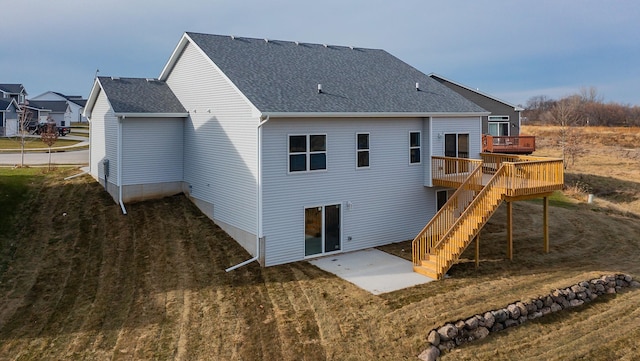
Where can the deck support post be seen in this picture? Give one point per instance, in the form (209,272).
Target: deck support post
(545,224)
(477,250)
(510,230)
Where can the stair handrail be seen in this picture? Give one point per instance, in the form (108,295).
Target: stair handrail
(473,180)
(498,176)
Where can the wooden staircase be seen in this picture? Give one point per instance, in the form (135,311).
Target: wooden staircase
(441,242)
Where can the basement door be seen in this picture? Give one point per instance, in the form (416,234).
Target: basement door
(321,230)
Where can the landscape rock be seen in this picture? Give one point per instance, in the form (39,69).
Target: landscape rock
(471,323)
(514,311)
(480,333)
(430,354)
(489,319)
(500,315)
(448,332)
(480,326)
(555,307)
(434,338)
(576,302)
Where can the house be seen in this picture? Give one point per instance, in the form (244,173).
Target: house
(8,117)
(76,105)
(296,150)
(57,110)
(13,91)
(502,126)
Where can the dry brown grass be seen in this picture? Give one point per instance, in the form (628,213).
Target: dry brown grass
(95,284)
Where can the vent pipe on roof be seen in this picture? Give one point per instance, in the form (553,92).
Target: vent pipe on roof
(266,40)
(319,88)
(233,37)
(417,86)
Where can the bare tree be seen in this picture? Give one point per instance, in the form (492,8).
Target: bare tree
(24,120)
(49,135)
(566,115)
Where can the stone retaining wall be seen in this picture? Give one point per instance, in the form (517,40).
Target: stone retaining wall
(479,326)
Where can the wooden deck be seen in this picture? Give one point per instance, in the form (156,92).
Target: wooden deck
(522,144)
(482,185)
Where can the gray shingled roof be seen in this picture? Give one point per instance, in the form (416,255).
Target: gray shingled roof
(59,106)
(282,77)
(4,105)
(139,95)
(12,88)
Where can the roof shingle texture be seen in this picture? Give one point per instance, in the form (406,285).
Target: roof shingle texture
(139,95)
(282,76)
(12,88)
(53,105)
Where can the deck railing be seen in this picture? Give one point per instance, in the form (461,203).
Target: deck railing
(520,144)
(453,228)
(444,219)
(450,172)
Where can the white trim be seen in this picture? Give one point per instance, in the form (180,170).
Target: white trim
(186,39)
(152,115)
(323,253)
(368,150)
(371,115)
(307,153)
(419,147)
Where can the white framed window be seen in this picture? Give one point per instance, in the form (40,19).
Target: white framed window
(414,148)
(307,152)
(362,150)
(498,125)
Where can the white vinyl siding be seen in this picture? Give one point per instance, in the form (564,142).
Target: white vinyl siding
(152,150)
(103,134)
(388,203)
(470,125)
(220,140)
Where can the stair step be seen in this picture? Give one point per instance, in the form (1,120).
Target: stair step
(426,272)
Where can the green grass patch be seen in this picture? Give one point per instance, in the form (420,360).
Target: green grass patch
(558,199)
(32,143)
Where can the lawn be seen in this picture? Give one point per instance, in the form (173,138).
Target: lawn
(82,281)
(32,143)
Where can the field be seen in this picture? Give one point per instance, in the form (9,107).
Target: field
(79,280)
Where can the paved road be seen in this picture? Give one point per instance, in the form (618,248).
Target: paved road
(69,156)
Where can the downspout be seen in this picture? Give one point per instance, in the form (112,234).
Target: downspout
(258,199)
(119,156)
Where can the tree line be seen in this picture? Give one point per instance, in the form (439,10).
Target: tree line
(582,109)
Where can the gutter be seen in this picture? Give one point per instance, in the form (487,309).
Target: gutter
(263,121)
(119,156)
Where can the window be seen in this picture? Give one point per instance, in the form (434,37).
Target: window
(362,152)
(307,153)
(498,125)
(414,147)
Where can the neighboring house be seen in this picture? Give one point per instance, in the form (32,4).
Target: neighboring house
(8,118)
(76,105)
(58,110)
(13,91)
(296,150)
(503,122)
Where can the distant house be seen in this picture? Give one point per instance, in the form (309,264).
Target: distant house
(8,117)
(13,91)
(76,105)
(502,125)
(296,150)
(58,110)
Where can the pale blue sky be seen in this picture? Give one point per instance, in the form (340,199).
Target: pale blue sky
(510,49)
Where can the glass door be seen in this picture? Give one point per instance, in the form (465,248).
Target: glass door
(321,230)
